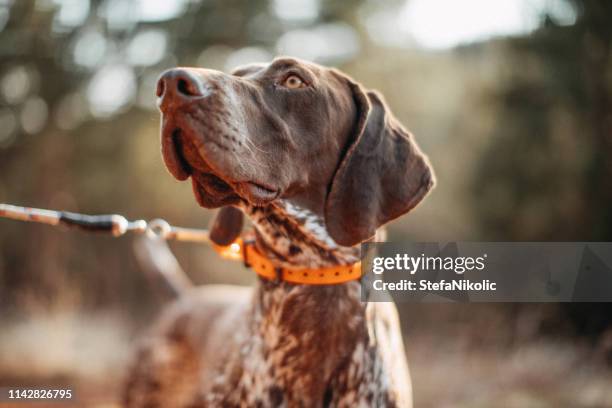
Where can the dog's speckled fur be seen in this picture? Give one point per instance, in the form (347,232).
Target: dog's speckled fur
(290,345)
(296,237)
(317,170)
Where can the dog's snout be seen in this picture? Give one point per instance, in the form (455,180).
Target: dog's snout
(179,84)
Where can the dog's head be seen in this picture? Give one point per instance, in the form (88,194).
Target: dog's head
(291,130)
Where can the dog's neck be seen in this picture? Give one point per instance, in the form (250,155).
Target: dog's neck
(291,236)
(307,331)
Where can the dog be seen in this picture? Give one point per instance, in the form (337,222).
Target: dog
(318,164)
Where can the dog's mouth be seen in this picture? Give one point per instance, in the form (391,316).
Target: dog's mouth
(211,187)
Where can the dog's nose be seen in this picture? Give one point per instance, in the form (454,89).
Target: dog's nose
(179,84)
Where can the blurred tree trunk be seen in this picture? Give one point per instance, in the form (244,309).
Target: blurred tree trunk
(596,31)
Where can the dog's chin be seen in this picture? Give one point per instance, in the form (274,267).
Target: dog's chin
(256,194)
(211,191)
(210,188)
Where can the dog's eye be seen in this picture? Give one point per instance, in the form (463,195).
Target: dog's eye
(293,82)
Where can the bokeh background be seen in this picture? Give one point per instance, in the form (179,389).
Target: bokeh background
(511,99)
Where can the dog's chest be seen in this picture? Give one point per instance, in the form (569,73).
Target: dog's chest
(314,366)
(361,382)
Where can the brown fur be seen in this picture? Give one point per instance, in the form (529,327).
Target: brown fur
(318,168)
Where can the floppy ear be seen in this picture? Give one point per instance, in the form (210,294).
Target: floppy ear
(381,176)
(226,226)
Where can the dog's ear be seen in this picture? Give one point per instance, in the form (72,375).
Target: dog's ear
(226,226)
(381,176)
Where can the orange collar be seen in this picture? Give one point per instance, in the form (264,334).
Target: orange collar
(245,251)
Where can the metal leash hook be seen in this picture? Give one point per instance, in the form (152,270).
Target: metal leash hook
(158,229)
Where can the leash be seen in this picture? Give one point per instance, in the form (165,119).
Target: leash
(242,249)
(114,224)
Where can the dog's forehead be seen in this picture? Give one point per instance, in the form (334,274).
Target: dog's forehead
(285,63)
(279,65)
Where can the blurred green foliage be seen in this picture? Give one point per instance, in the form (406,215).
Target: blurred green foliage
(547,174)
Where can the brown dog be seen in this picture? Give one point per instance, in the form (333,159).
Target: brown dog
(318,164)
